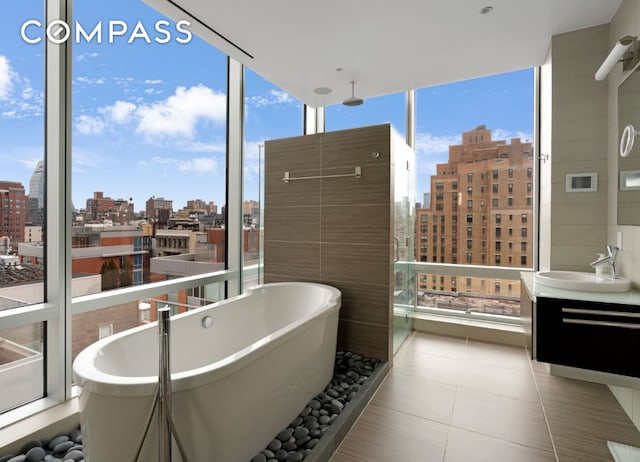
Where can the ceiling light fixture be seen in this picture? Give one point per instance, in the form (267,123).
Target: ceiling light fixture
(486,9)
(322,90)
(353,101)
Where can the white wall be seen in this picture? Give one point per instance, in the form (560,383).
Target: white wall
(574,116)
(625,22)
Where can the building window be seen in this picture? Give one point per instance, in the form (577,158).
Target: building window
(454,185)
(494,174)
(470,204)
(439,186)
(524,218)
(498,245)
(529,187)
(494,202)
(469,218)
(529,172)
(510,201)
(469,231)
(470,190)
(494,188)
(523,232)
(529,201)
(510,188)
(498,259)
(105,330)
(498,218)
(469,244)
(498,232)
(469,257)
(469,177)
(523,246)
(523,260)
(454,196)
(510,171)
(439,207)
(424,218)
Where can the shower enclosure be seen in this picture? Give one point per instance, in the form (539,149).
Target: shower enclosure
(404,290)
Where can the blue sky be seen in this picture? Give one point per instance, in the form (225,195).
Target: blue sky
(149,118)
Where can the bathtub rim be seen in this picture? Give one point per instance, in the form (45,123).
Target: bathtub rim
(94,380)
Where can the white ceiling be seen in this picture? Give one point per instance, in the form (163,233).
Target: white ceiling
(386,46)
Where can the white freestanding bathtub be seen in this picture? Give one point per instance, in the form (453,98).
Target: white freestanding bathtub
(235,384)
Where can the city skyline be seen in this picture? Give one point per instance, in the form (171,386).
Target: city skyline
(149,119)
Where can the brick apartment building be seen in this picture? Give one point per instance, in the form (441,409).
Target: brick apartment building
(100,208)
(14,211)
(480,212)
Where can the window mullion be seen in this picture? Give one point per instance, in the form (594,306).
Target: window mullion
(58,200)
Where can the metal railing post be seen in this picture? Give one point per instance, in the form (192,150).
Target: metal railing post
(164,382)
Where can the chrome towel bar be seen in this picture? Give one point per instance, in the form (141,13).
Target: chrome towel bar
(356,174)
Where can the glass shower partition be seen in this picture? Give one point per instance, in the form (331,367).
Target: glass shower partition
(404,299)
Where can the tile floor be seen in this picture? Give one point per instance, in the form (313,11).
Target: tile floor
(459,400)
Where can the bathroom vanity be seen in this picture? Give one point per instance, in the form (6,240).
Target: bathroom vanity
(585,330)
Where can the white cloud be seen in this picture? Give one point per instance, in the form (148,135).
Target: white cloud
(88,125)
(86,56)
(29,164)
(199,146)
(500,134)
(6,76)
(88,81)
(175,117)
(274,97)
(18,98)
(198,165)
(153,82)
(119,112)
(178,114)
(426,143)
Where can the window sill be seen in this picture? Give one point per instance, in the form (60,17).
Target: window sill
(41,419)
(495,332)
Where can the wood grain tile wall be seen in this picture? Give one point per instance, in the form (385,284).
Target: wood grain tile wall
(336,231)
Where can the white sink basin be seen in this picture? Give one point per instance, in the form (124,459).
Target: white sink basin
(576,280)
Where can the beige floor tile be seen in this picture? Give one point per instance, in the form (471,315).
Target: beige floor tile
(466,446)
(451,347)
(416,396)
(383,435)
(428,366)
(340,457)
(511,383)
(509,357)
(493,397)
(513,420)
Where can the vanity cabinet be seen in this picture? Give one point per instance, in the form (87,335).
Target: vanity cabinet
(589,335)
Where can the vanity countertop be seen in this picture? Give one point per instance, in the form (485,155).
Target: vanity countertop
(631,297)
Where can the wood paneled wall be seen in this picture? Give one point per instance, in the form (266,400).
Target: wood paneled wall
(336,231)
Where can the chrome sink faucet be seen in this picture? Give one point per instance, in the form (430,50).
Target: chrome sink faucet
(612,254)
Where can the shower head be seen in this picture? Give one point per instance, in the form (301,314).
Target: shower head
(353,101)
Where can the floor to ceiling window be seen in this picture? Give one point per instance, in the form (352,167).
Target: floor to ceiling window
(269,114)
(148,172)
(373,111)
(475,182)
(22,209)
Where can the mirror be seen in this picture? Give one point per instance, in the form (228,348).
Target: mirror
(629,166)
